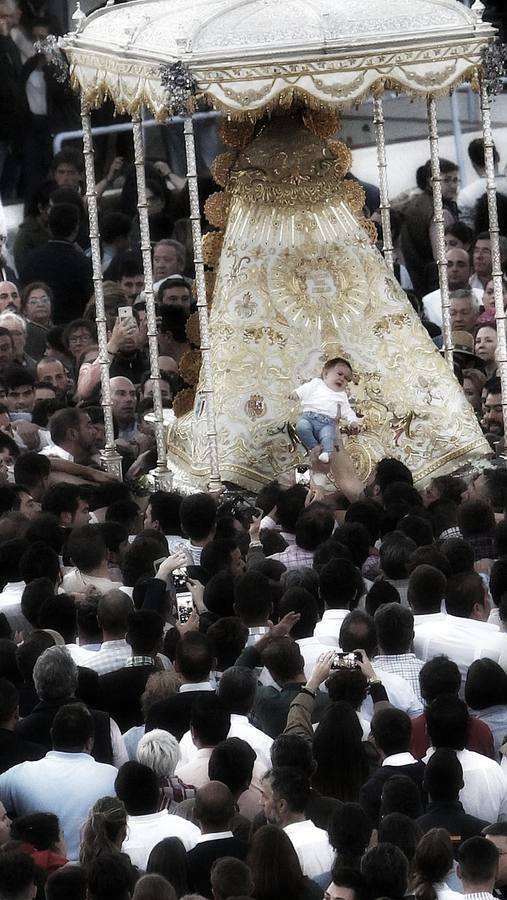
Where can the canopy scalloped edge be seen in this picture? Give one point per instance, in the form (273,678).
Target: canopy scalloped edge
(422,72)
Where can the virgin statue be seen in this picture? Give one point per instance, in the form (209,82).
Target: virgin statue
(298,280)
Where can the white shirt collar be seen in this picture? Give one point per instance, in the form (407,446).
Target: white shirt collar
(216,836)
(399,759)
(196,686)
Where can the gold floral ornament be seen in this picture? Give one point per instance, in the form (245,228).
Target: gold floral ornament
(343,156)
(190,366)
(216,208)
(354,195)
(192,329)
(212,247)
(183,402)
(221,167)
(322,123)
(370,228)
(236,134)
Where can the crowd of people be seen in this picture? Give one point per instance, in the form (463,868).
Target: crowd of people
(291,694)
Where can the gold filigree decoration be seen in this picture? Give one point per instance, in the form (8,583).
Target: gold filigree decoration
(258,334)
(322,123)
(183,402)
(354,195)
(386,323)
(216,208)
(190,366)
(211,248)
(221,167)
(370,228)
(343,156)
(192,329)
(255,406)
(236,134)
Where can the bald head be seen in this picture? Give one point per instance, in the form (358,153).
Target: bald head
(9,296)
(214,807)
(124,400)
(458,268)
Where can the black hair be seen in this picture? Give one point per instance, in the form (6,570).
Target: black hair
(498,580)
(349,833)
(475,517)
(140,556)
(367,513)
(137,787)
(380,593)
(401,794)
(399,829)
(293,750)
(499,539)
(63,221)
(17,873)
(340,755)
(401,492)
(328,551)
(299,600)
(232,762)
(40,829)
(68,881)
(433,859)
(291,785)
(395,553)
(11,554)
(110,875)
(314,525)
(350,878)
(478,860)
(209,720)
(389,470)
(169,859)
(438,676)
(165,509)
(486,685)
(230,878)
(46,527)
(349,685)
(354,536)
(61,498)
(459,554)
(418,528)
(447,722)
(145,631)
(395,628)
(289,505)
(216,555)
(40,561)
(17,376)
(237,689)
(58,613)
(283,660)
(198,515)
(340,584)
(72,727)
(391,728)
(194,656)
(228,637)
(426,589)
(385,869)
(443,776)
(463,592)
(252,597)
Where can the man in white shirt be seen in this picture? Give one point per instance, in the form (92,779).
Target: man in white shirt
(87,549)
(66,782)
(469,195)
(138,788)
(458,274)
(198,520)
(209,725)
(484,793)
(237,691)
(72,435)
(477,868)
(340,587)
(285,794)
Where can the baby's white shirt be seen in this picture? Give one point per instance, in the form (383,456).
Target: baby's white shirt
(316,397)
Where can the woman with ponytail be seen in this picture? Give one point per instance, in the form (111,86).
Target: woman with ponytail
(104,830)
(432,863)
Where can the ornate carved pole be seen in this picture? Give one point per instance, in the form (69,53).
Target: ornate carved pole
(438,218)
(180,86)
(111,459)
(161,474)
(385,205)
(494,231)
(202,306)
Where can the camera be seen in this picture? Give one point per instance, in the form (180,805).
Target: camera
(345,660)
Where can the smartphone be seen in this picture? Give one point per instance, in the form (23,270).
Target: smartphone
(125,312)
(180,578)
(184,605)
(302,475)
(346,660)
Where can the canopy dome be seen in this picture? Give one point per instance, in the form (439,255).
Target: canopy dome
(244,54)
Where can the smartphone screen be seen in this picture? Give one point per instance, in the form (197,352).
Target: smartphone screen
(180,578)
(184,605)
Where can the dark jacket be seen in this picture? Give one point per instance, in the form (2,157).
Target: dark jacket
(120,694)
(31,235)
(67,272)
(451,816)
(37,727)
(173,714)
(370,794)
(271,706)
(13,103)
(202,857)
(14,749)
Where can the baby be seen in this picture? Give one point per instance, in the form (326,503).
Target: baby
(325,403)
